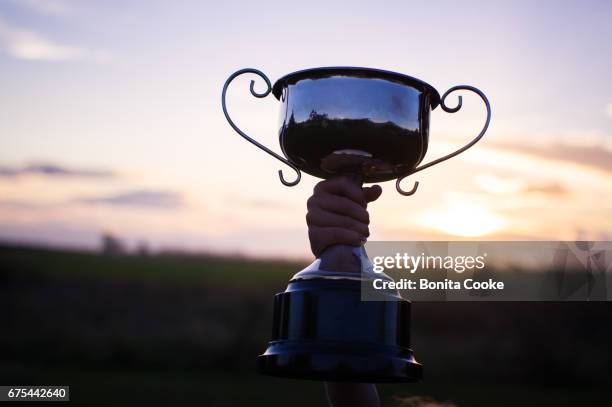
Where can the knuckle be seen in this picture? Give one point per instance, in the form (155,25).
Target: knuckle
(313,235)
(357,214)
(363,214)
(315,249)
(323,185)
(310,203)
(309,216)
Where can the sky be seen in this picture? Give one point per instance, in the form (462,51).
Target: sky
(110,119)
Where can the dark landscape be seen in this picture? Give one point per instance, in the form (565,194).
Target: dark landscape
(182,329)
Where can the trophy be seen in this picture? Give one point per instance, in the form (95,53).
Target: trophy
(374,125)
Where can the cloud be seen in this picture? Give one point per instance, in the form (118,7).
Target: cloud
(266,204)
(258,203)
(19,205)
(498,185)
(138,198)
(549,188)
(595,155)
(53,170)
(31,46)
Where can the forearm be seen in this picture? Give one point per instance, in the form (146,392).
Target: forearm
(352,395)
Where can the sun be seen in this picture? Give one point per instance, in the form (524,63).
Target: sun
(465,219)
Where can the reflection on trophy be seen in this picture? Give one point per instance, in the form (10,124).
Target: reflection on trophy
(373,125)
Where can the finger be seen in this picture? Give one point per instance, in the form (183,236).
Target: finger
(339,205)
(322,238)
(321,218)
(342,186)
(372,193)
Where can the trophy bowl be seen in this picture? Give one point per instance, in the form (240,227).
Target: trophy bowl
(373,125)
(380,116)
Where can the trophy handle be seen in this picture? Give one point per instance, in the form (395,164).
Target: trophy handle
(462,149)
(249,139)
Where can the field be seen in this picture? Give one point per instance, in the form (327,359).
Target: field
(181,329)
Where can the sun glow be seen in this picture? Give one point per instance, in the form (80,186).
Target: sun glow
(463,218)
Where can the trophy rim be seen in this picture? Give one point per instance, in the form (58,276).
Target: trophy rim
(329,71)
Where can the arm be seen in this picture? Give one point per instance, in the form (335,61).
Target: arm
(352,395)
(337,214)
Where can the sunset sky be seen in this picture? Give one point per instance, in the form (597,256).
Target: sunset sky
(110,119)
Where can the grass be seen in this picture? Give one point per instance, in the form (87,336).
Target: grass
(183,268)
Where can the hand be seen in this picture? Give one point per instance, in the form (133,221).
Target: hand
(337,213)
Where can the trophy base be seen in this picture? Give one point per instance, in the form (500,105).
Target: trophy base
(323,330)
(340,362)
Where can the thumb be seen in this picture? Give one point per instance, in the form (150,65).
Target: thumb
(372,193)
